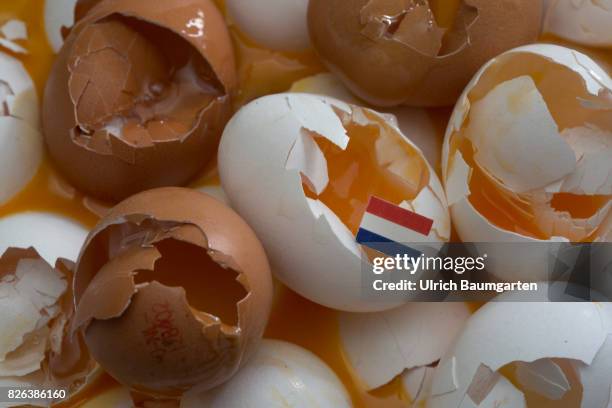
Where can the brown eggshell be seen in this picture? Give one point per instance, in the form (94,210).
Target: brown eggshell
(139,95)
(68,363)
(173,289)
(391,52)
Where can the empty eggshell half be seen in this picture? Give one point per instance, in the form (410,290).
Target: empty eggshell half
(172,289)
(59,15)
(41,230)
(36,304)
(21,144)
(555,354)
(301,168)
(528,161)
(138,95)
(416,52)
(586,22)
(380,346)
(280,374)
(275,24)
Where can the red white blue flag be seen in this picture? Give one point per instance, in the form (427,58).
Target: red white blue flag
(387,228)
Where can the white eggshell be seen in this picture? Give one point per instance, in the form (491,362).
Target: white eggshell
(215,191)
(517,167)
(503,332)
(14,30)
(58,14)
(279,375)
(276,24)
(21,152)
(416,123)
(417,383)
(52,235)
(380,346)
(512,130)
(261,163)
(586,22)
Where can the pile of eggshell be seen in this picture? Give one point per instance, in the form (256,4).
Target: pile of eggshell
(171,292)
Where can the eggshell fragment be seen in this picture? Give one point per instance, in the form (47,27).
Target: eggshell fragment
(529,148)
(503,332)
(400,52)
(11,31)
(172,289)
(153,116)
(59,15)
(380,346)
(263,161)
(585,22)
(279,375)
(36,304)
(40,231)
(21,145)
(276,24)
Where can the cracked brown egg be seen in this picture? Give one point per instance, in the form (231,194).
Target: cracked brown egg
(417,52)
(172,289)
(139,95)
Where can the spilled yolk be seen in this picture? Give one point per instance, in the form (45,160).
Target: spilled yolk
(355,174)
(445,11)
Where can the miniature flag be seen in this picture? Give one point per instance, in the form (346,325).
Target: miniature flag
(385,227)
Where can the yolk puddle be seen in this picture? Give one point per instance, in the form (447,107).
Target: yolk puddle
(579,206)
(355,174)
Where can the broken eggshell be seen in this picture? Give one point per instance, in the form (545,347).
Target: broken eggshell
(172,289)
(270,148)
(585,22)
(380,346)
(537,147)
(41,230)
(12,31)
(415,122)
(418,53)
(21,144)
(547,344)
(138,95)
(279,25)
(280,374)
(36,304)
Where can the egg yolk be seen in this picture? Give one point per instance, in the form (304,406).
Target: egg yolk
(356,174)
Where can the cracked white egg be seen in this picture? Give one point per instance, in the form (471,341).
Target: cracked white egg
(279,375)
(406,341)
(586,22)
(301,169)
(526,160)
(36,304)
(514,354)
(279,25)
(415,122)
(53,236)
(59,14)
(21,143)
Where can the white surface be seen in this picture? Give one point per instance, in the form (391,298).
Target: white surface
(279,375)
(276,24)
(53,236)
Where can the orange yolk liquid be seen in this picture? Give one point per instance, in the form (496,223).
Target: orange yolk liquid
(355,175)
